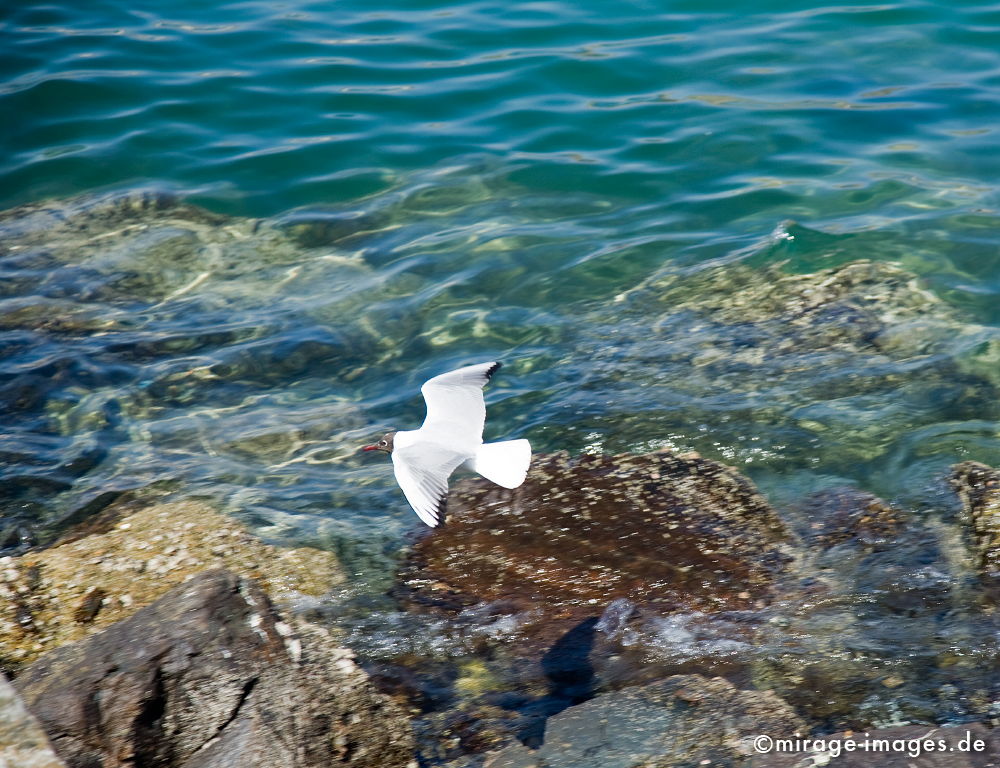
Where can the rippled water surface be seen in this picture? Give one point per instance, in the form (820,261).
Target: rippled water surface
(615,199)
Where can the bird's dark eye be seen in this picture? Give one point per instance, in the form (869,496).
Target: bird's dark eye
(383,442)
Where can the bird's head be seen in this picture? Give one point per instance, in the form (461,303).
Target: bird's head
(385,444)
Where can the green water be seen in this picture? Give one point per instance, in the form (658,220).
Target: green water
(627,203)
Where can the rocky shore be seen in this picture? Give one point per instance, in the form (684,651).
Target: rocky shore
(603,566)
(211,675)
(637,603)
(105,569)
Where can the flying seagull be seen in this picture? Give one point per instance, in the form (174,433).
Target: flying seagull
(450,437)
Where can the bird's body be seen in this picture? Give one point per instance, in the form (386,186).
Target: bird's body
(451,436)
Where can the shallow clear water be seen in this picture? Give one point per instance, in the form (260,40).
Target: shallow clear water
(579,191)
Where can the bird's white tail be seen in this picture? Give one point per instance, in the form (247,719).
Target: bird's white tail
(505,463)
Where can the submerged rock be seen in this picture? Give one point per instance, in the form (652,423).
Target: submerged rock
(680,721)
(210,675)
(825,368)
(978,488)
(665,531)
(133,314)
(867,293)
(848,515)
(107,568)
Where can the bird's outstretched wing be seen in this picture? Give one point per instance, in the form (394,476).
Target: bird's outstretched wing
(423,475)
(455,406)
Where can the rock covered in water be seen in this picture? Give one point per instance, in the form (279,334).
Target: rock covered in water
(682,720)
(870,294)
(848,515)
(978,488)
(135,313)
(665,531)
(833,366)
(107,568)
(875,309)
(210,675)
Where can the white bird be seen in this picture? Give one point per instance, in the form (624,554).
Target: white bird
(451,436)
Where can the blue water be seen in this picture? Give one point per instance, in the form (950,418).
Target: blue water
(732,115)
(503,173)
(602,195)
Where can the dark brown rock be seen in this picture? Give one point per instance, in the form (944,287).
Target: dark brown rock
(665,531)
(209,675)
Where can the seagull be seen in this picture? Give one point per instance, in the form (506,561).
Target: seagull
(451,437)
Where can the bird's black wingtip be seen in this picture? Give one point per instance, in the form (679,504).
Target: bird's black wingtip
(493,369)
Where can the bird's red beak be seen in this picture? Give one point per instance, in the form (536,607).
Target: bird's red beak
(369,448)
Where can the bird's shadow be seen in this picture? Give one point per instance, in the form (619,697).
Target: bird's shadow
(570,675)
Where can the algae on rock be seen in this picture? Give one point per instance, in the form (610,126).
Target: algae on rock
(978,488)
(110,567)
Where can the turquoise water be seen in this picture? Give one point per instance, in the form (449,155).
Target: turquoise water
(615,199)
(500,175)
(692,119)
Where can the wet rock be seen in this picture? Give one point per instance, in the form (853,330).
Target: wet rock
(665,531)
(315,229)
(286,355)
(85,508)
(861,307)
(983,361)
(23,743)
(863,284)
(684,720)
(123,312)
(842,515)
(45,225)
(978,488)
(52,316)
(127,557)
(210,675)
(829,689)
(143,245)
(836,365)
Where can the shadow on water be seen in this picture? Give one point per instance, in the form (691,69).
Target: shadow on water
(570,675)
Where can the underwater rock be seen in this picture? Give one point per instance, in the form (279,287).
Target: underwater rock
(978,488)
(866,291)
(834,366)
(127,557)
(846,514)
(135,314)
(869,308)
(23,743)
(140,245)
(319,228)
(211,676)
(665,531)
(681,720)
(94,212)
